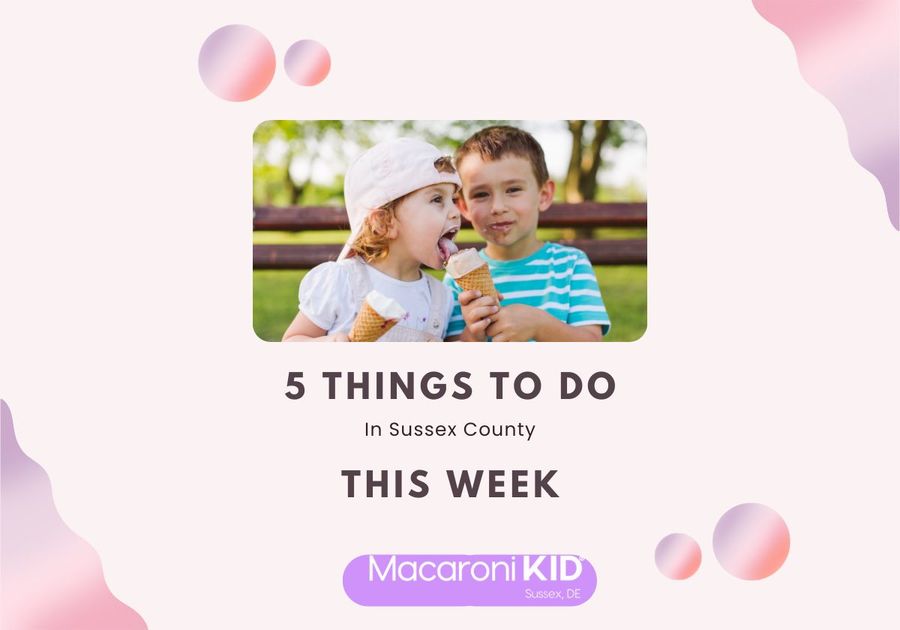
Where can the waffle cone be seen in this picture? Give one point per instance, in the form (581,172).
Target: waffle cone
(478,279)
(369,325)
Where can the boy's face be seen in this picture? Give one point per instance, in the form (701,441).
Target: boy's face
(503,199)
(427,222)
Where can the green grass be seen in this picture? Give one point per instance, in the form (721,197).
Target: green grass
(624,291)
(275,301)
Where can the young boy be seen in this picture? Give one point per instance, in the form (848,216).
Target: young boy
(548,291)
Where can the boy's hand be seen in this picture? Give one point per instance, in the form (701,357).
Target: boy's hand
(516,322)
(338,336)
(478,312)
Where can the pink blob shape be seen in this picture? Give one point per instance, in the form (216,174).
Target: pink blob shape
(751,541)
(678,556)
(237,63)
(849,51)
(307,62)
(50,578)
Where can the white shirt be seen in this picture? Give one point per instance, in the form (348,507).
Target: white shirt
(326,298)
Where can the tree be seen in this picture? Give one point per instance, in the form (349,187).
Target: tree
(301,143)
(275,182)
(589,139)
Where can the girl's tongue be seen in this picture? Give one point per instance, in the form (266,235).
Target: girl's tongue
(447,248)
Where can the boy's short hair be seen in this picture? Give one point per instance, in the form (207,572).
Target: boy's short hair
(493,143)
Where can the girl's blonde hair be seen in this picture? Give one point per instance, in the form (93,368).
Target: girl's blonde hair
(372,242)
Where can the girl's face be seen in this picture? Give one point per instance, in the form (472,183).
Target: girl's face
(427,222)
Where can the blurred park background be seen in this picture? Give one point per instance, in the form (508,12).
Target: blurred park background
(302,163)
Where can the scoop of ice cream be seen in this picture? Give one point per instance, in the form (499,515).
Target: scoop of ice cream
(463,262)
(385,306)
(447,248)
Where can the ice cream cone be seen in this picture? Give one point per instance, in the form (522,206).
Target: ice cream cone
(370,324)
(471,272)
(478,279)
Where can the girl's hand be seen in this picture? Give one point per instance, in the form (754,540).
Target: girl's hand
(338,336)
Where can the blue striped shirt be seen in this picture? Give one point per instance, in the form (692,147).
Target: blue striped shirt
(556,279)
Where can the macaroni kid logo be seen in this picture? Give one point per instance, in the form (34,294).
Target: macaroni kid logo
(477,580)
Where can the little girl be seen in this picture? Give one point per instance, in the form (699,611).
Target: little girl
(400,198)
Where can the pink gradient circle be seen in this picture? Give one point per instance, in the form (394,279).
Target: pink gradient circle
(307,62)
(237,62)
(678,556)
(751,541)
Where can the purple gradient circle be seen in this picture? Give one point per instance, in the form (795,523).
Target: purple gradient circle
(307,62)
(237,62)
(751,541)
(678,556)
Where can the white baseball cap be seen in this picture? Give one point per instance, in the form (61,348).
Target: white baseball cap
(386,172)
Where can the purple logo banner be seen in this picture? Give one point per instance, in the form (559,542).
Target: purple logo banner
(476,580)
